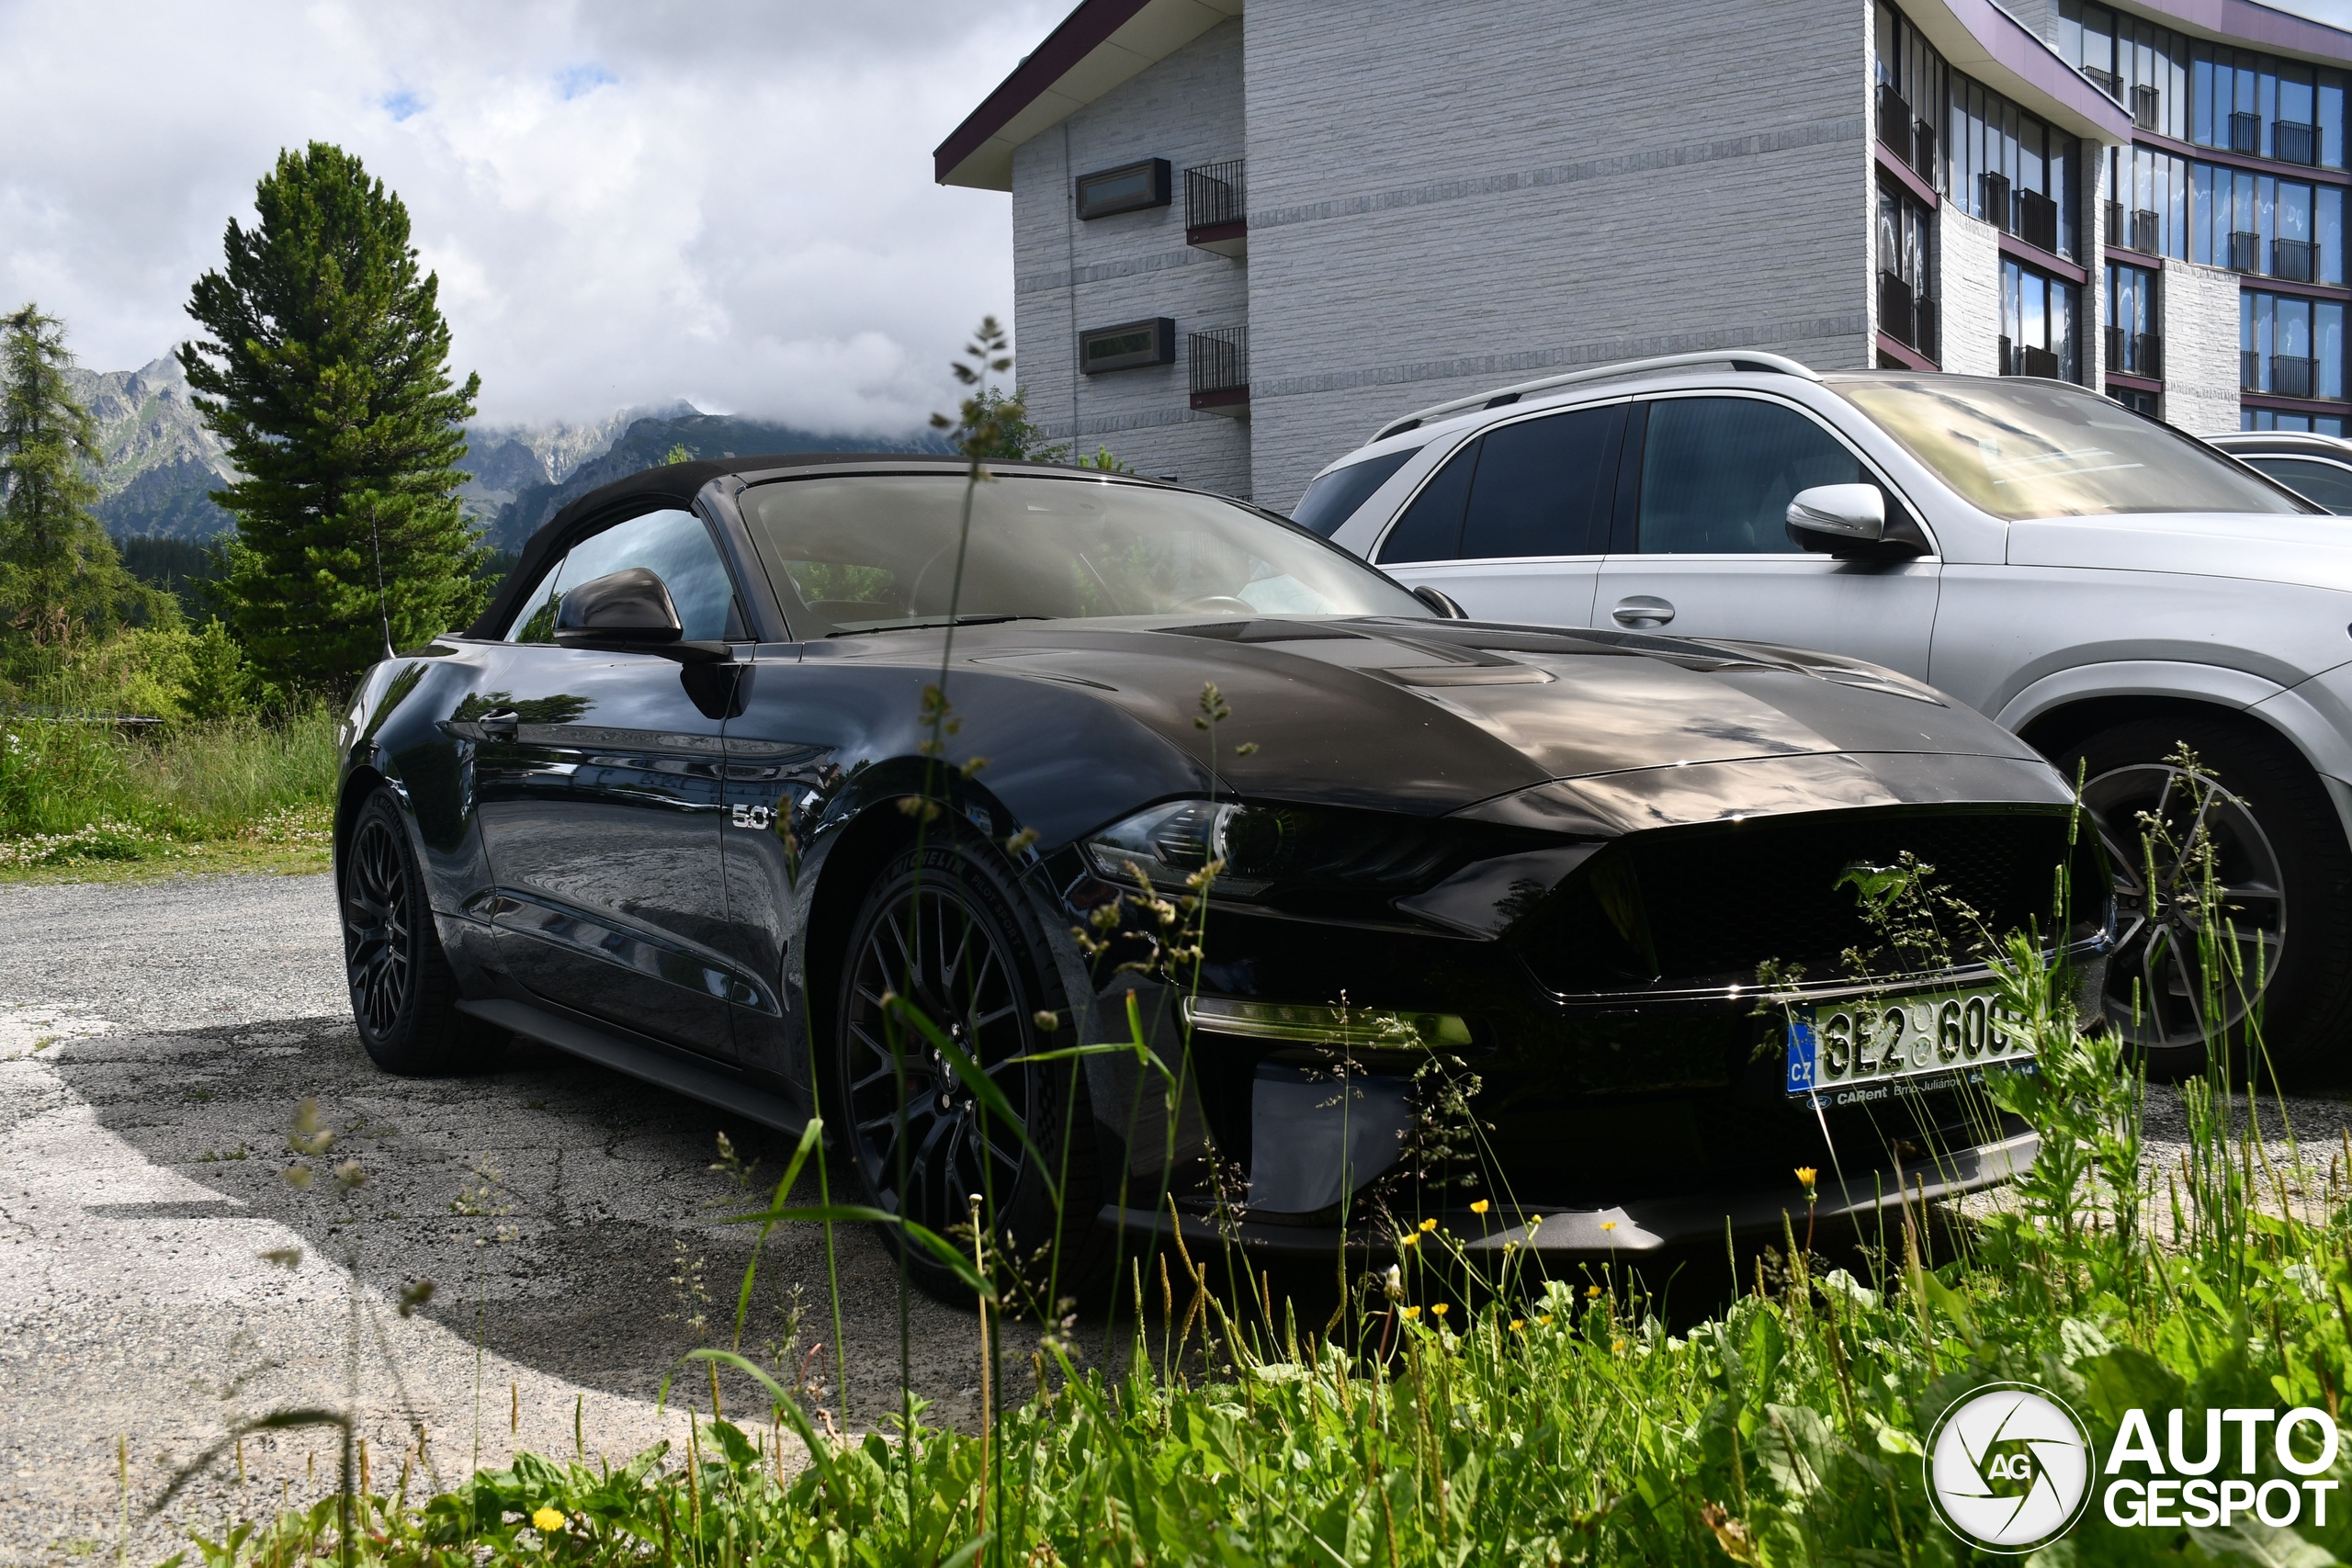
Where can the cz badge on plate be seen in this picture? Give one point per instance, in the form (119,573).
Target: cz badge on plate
(1869,1048)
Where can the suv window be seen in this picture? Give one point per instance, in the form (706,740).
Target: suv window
(1541,487)
(2330,484)
(678,549)
(1717,474)
(1334,498)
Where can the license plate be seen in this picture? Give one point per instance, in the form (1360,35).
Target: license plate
(1849,1052)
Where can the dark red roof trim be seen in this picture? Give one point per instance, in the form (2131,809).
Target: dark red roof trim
(1080,34)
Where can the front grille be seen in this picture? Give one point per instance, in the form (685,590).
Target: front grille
(1685,910)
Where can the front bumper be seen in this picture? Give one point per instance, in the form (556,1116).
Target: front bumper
(1636,1228)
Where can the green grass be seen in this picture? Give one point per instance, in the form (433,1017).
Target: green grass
(240,793)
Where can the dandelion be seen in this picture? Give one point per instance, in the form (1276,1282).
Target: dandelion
(549,1520)
(1429,1224)
(1807,1177)
(1480,1207)
(1410,1312)
(1439,1310)
(1609,1224)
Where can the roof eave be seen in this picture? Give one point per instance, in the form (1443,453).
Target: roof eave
(1985,42)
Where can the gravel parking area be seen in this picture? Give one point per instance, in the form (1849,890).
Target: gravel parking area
(154,1043)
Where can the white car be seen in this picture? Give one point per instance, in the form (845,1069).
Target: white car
(2317,468)
(2108,587)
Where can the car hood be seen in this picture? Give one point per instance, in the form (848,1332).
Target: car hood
(2309,551)
(1432,716)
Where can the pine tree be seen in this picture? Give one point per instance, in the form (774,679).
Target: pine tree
(60,578)
(326,375)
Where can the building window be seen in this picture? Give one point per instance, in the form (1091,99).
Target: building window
(2147,201)
(1130,345)
(2266,226)
(2138,400)
(2288,346)
(2271,419)
(1130,188)
(1906,288)
(1911,83)
(2140,65)
(2038,324)
(2266,108)
(2133,344)
(2010,169)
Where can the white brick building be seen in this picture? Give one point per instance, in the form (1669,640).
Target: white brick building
(1246,232)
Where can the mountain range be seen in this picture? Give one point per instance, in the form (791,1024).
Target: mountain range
(160,461)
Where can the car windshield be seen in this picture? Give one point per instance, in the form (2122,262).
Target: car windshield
(877,551)
(2020,448)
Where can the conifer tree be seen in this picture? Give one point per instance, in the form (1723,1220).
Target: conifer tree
(326,375)
(60,578)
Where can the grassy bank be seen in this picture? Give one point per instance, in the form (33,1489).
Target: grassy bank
(1556,1421)
(80,799)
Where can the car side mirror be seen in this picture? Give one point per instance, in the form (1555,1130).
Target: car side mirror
(628,608)
(1847,515)
(1444,608)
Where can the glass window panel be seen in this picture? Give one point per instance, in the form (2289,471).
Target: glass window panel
(678,549)
(2327,233)
(2266,208)
(2201,99)
(2201,214)
(2327,346)
(2294,213)
(2295,95)
(1544,486)
(2331,119)
(2267,106)
(1718,473)
(2294,329)
(2032,174)
(2326,483)
(1432,527)
(1334,498)
(2327,424)
(2070,31)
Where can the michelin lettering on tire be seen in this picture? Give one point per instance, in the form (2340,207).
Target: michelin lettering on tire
(2009,1467)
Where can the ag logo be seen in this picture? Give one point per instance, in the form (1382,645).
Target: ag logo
(2009,1467)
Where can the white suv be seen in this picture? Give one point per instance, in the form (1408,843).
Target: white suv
(2105,585)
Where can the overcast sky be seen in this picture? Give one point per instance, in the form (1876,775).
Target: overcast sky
(728,201)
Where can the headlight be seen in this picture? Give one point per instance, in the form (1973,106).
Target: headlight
(1169,844)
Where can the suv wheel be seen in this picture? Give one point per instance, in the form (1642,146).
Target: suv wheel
(2280,868)
(403,997)
(945,928)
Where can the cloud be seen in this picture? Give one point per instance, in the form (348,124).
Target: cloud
(730,202)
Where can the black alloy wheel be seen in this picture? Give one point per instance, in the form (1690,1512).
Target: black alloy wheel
(403,995)
(944,928)
(2246,864)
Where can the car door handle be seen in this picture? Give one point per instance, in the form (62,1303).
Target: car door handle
(499,723)
(1642,610)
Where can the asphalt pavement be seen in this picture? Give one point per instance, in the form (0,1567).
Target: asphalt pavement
(161,1280)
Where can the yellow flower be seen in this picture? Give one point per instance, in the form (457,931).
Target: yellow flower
(1591,1292)
(1439,1310)
(1480,1207)
(1807,1177)
(1518,1325)
(1410,1312)
(1545,1320)
(1616,1345)
(1409,1239)
(1429,1224)
(1609,1224)
(548,1519)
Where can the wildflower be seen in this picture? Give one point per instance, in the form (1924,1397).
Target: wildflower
(1480,1207)
(1592,1292)
(1429,1224)
(1545,1320)
(1409,1239)
(1609,1224)
(1393,1284)
(1807,1177)
(548,1519)
(1439,1310)
(1616,1345)
(1410,1312)
(1518,1325)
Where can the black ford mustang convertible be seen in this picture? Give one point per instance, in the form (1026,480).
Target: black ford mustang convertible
(681,803)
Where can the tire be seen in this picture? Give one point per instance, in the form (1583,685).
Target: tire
(2282,859)
(946,926)
(403,996)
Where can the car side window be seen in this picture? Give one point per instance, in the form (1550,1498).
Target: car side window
(1544,486)
(2324,483)
(535,621)
(678,549)
(1717,474)
(1334,498)
(1431,528)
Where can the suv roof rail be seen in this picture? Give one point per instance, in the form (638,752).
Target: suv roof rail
(1737,358)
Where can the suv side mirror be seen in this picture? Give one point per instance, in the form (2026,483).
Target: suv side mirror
(629,608)
(1441,604)
(1852,521)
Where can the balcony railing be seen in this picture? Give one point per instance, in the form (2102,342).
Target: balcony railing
(2023,359)
(2245,252)
(1907,318)
(2245,134)
(1995,190)
(2136,353)
(2297,261)
(2037,220)
(2292,142)
(2249,370)
(2293,378)
(1217,214)
(2148,107)
(2113,212)
(2147,233)
(1220,367)
(2106,82)
(1894,119)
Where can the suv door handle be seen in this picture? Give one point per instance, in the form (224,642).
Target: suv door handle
(499,723)
(1642,610)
